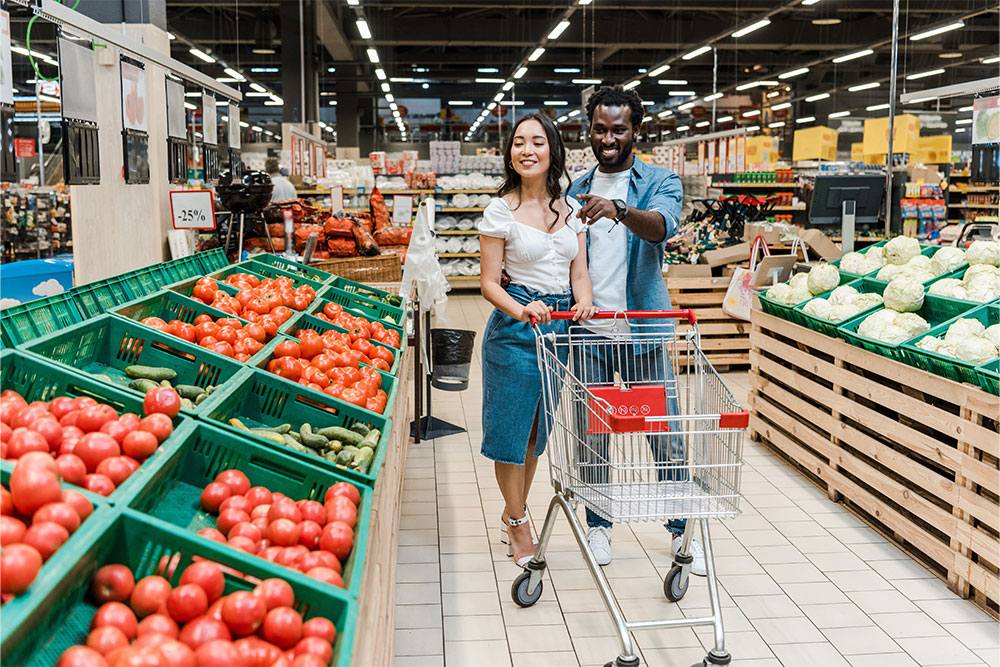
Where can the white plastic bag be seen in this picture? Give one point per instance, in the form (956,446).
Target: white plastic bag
(422,267)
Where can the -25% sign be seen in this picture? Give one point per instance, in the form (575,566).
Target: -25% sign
(192,209)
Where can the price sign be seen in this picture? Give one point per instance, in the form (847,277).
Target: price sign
(337,198)
(402,209)
(234,127)
(24,147)
(209,127)
(192,209)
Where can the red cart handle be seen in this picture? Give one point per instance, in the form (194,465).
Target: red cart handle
(687,314)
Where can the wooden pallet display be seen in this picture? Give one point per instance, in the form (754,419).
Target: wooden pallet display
(724,339)
(914,454)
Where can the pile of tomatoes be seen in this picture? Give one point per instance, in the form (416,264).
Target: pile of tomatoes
(329,363)
(151,622)
(359,327)
(255,298)
(91,445)
(306,535)
(227,336)
(37,516)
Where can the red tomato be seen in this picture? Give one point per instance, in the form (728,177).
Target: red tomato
(213,495)
(207,576)
(204,317)
(116,468)
(213,534)
(284,508)
(98,484)
(71,468)
(164,400)
(217,652)
(20,564)
(94,448)
(227,334)
(235,480)
(187,602)
(92,418)
(332,310)
(282,314)
(177,654)
(115,429)
(275,593)
(206,329)
(310,346)
(367,386)
(139,444)
(229,518)
(223,348)
(270,326)
(205,291)
(33,483)
(259,495)
(320,627)
(334,390)
(208,341)
(342,508)
(61,513)
(158,424)
(337,538)
(243,612)
(112,583)
(78,502)
(46,537)
(117,615)
(311,510)
(326,575)
(106,639)
(12,530)
(204,629)
(381,365)
(282,627)
(289,368)
(186,332)
(316,646)
(283,532)
(154,322)
(343,489)
(160,624)
(6,502)
(235,502)
(151,640)
(354,396)
(81,656)
(150,593)
(287,348)
(309,532)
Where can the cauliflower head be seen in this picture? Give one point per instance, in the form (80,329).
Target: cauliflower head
(903,295)
(823,278)
(901,249)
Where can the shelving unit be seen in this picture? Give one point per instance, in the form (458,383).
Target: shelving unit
(959,210)
(36,223)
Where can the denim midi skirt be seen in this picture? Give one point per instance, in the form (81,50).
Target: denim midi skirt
(512,385)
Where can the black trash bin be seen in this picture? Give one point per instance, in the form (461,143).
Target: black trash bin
(451,355)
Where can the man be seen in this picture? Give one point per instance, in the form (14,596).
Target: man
(283,188)
(631,208)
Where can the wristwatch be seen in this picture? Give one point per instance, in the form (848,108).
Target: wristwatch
(621,208)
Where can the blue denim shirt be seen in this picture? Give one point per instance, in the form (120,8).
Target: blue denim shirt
(650,188)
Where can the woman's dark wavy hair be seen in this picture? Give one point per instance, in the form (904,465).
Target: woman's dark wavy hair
(557,163)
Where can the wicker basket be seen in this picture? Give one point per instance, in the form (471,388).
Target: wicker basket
(380,269)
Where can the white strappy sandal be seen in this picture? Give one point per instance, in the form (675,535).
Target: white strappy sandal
(504,535)
(524,560)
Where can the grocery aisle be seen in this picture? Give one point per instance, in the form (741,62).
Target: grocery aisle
(804,581)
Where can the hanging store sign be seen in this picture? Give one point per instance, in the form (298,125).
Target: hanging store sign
(986,120)
(210,138)
(135,123)
(177,141)
(6,68)
(78,100)
(402,209)
(192,209)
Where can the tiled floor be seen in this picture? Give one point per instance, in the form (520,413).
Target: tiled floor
(804,583)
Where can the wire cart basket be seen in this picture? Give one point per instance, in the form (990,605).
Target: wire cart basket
(641,428)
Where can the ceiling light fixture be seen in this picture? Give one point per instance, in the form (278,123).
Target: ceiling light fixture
(555,103)
(752,128)
(520,72)
(248,94)
(751,28)
(723,119)
(665,114)
(390,98)
(853,56)
(682,93)
(806,119)
(751,113)
(363,29)
(817,98)
(559,29)
(498,97)
(968,108)
(703,123)
(713,96)
(646,119)
(648,103)
(587,82)
(630,85)
(233,73)
(773,93)
(273,70)
(685,107)
(373,55)
(779,107)
(536,54)
(487,70)
(921,75)
(780,123)
(963,121)
(460,103)
(243,123)
(864,86)
(385,87)
(198,53)
(566,70)
(877,107)
(508,85)
(794,72)
(938,31)
(188,105)
(990,61)
(486,80)
(697,52)
(672,82)
(259,88)
(402,79)
(380,73)
(807,3)
(683,128)
(658,71)
(574,112)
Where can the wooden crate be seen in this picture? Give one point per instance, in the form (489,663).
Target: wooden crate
(724,339)
(914,454)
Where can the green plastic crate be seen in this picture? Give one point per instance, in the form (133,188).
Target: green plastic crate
(354,287)
(390,383)
(262,399)
(361,305)
(38,379)
(143,282)
(107,345)
(266,271)
(856,276)
(795,313)
(307,321)
(959,274)
(17,609)
(173,491)
(28,321)
(169,305)
(294,267)
(98,298)
(989,376)
(182,268)
(935,310)
(213,260)
(943,365)
(186,287)
(832,329)
(62,618)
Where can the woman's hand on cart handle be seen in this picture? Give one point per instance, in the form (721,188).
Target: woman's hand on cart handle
(537,312)
(583,311)
(686,314)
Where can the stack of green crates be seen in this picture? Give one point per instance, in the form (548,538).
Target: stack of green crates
(950,367)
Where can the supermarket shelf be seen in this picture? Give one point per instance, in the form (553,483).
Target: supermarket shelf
(456,232)
(788,208)
(974,190)
(755,185)
(992,206)
(464,281)
(452,255)
(471,209)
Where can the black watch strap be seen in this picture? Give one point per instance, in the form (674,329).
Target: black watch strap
(621,208)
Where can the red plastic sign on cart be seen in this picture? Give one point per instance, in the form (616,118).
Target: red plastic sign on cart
(192,209)
(24,147)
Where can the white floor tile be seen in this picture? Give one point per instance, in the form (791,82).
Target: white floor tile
(861,640)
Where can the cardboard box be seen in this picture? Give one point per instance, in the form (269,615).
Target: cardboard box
(734,253)
(348,153)
(875,159)
(920,174)
(818,244)
(858,151)
(762,150)
(906,132)
(687,271)
(934,150)
(771,235)
(814,143)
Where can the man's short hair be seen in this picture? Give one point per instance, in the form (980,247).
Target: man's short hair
(616,96)
(271,165)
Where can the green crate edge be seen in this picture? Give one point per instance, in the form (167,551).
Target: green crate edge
(282,262)
(939,364)
(7,315)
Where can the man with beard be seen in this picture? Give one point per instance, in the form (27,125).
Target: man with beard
(631,208)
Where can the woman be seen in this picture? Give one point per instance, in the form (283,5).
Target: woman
(530,231)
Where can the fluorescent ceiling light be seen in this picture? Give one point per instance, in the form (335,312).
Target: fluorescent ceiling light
(332,103)
(520,72)
(921,75)
(269,133)
(226,79)
(585,2)
(672,82)
(648,103)
(363,29)
(756,84)
(198,53)
(574,112)
(233,73)
(713,96)
(938,31)
(587,82)
(817,98)
(276,99)
(559,29)
(264,70)
(780,123)
(390,98)
(373,55)
(248,94)
(752,128)
(630,85)
(723,119)
(188,94)
(852,56)
(968,108)
(658,71)
(877,107)
(491,106)
(508,85)
(515,103)
(259,88)
(959,129)
(794,72)
(498,97)
(460,103)
(751,113)
(750,28)
(243,123)
(685,107)
(330,70)
(171,36)
(380,73)
(395,107)
(646,119)
(566,70)
(188,105)
(271,103)
(561,119)
(488,80)
(487,70)
(697,52)
(257,128)
(683,128)
(990,61)
(773,93)
(385,87)
(536,54)
(864,86)
(703,123)
(779,107)
(963,121)
(806,119)
(839,114)
(556,103)
(665,114)
(352,3)
(682,93)
(402,79)
(222,103)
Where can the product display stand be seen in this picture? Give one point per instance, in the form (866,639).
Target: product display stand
(430,427)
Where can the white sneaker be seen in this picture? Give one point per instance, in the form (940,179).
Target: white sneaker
(599,541)
(697,554)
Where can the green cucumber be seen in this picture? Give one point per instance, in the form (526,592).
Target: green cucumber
(345,456)
(371,440)
(335,446)
(155,373)
(187,404)
(346,436)
(330,457)
(236,423)
(311,439)
(143,385)
(276,438)
(292,443)
(359,428)
(363,454)
(201,398)
(281,429)
(189,391)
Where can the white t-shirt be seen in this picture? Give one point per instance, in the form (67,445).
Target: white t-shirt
(608,243)
(283,189)
(536,259)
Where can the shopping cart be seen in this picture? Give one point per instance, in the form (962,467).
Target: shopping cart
(641,428)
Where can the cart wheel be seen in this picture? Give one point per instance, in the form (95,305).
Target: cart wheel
(673,587)
(619,662)
(519,591)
